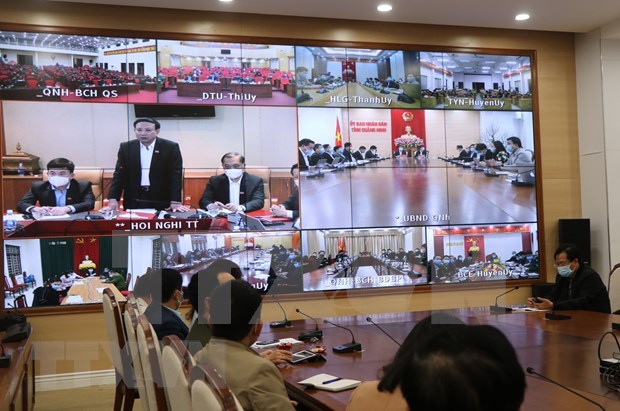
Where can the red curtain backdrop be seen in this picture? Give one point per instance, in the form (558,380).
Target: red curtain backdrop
(342,245)
(475,244)
(526,241)
(348,71)
(438,248)
(296,241)
(418,124)
(85,246)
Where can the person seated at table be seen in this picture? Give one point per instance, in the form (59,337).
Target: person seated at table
(386,394)
(463,153)
(235,309)
(346,152)
(317,154)
(200,287)
(360,154)
(338,153)
(60,194)
(400,151)
(118,279)
(45,296)
(235,190)
(143,290)
(327,154)
(67,278)
(163,311)
(420,152)
(290,207)
(371,153)
(577,285)
(518,156)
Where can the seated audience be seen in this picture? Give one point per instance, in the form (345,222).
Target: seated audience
(577,286)
(163,311)
(118,279)
(360,154)
(235,190)
(317,154)
(371,153)
(235,308)
(60,194)
(290,207)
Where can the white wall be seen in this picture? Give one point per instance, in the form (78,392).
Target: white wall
(140,254)
(30,253)
(366,70)
(335,68)
(397,66)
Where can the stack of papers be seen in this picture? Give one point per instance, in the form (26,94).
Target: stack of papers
(292,341)
(329,383)
(74,299)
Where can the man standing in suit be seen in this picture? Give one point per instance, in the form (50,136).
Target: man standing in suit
(149,170)
(60,194)
(163,311)
(289,208)
(235,309)
(235,190)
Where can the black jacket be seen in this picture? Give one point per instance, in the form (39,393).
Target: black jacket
(79,195)
(584,291)
(251,195)
(165,322)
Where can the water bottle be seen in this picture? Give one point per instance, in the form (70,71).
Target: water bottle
(20,169)
(9,222)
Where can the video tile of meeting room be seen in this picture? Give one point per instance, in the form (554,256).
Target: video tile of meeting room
(419,183)
(357,77)
(75,68)
(459,254)
(189,152)
(74,270)
(197,72)
(466,81)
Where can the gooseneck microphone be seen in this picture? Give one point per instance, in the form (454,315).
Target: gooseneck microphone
(530,370)
(348,347)
(279,324)
(496,308)
(308,335)
(382,330)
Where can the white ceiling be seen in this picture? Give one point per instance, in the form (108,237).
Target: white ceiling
(578,16)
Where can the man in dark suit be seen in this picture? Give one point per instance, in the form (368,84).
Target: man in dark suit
(402,152)
(317,154)
(162,312)
(60,194)
(305,151)
(149,170)
(348,156)
(289,208)
(360,154)
(235,190)
(327,155)
(371,153)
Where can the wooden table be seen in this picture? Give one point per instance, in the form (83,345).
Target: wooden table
(565,351)
(17,381)
(386,193)
(87,289)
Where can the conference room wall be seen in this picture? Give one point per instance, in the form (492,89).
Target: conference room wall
(557,114)
(90,133)
(140,255)
(114,61)
(397,66)
(30,252)
(434,79)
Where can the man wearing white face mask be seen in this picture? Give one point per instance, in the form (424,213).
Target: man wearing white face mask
(60,194)
(577,286)
(235,190)
(163,312)
(289,208)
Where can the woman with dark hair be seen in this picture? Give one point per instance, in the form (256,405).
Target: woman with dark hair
(386,394)
(500,155)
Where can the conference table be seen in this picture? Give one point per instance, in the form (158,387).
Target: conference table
(565,351)
(411,192)
(89,290)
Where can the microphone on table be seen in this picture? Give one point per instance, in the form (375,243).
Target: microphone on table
(90,216)
(531,370)
(279,324)
(348,347)
(382,330)
(308,335)
(499,310)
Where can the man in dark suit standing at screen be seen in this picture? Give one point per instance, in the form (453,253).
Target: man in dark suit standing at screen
(235,190)
(60,194)
(149,170)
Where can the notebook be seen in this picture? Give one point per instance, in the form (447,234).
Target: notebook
(329,382)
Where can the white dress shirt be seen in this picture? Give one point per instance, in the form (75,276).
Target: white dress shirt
(146,155)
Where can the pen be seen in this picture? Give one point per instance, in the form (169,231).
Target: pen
(332,380)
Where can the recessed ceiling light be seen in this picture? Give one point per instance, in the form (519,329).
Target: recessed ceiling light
(522,16)
(226,1)
(384,7)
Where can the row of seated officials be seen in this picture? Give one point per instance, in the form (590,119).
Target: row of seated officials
(225,322)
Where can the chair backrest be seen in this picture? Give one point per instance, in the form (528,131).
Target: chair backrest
(128,280)
(130,317)
(177,362)
(92,174)
(118,347)
(210,392)
(150,354)
(20,301)
(265,175)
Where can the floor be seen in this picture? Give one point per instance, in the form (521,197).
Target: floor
(99,398)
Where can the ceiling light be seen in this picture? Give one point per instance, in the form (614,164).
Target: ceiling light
(384,7)
(226,1)
(522,16)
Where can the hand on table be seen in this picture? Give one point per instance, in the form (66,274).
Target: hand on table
(278,210)
(540,303)
(277,356)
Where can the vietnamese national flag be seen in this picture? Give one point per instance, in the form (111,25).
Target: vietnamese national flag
(342,246)
(338,134)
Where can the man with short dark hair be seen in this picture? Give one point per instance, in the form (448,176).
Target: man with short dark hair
(235,308)
(577,286)
(235,190)
(518,156)
(371,153)
(327,154)
(163,311)
(317,154)
(360,154)
(60,194)
(305,151)
(348,156)
(149,170)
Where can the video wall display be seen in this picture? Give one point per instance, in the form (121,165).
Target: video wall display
(149,139)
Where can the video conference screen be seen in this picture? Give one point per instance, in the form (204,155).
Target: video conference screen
(313,168)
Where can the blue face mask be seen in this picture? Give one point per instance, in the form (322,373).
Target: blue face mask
(437,262)
(309,152)
(446,261)
(492,150)
(291,257)
(509,149)
(474,152)
(321,151)
(565,271)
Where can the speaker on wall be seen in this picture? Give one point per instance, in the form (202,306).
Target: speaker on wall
(576,231)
